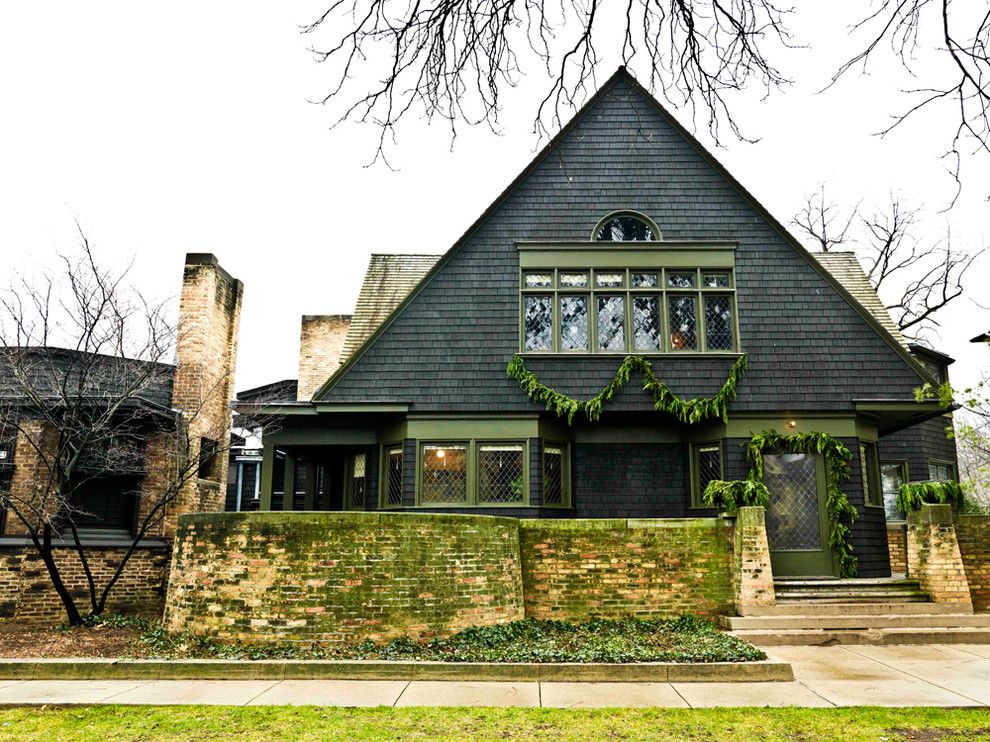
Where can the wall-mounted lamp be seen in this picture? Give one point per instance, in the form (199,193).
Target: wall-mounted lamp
(791,424)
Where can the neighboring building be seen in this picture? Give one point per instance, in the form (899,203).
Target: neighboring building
(623,237)
(111,505)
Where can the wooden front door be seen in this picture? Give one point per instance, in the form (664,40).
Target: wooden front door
(797,522)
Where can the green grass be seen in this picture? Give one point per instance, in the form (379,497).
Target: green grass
(686,639)
(307,722)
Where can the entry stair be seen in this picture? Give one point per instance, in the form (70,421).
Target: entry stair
(827,611)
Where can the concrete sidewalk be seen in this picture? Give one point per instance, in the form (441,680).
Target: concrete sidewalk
(934,675)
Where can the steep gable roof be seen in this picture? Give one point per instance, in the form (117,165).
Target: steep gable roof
(619,79)
(389,279)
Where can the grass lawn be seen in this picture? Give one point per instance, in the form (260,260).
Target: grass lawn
(307,722)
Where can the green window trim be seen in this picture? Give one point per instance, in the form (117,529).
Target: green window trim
(547,293)
(870,473)
(549,449)
(935,475)
(472,461)
(356,481)
(696,465)
(386,452)
(900,470)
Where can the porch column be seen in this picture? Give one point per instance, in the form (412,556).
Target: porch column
(934,559)
(267,475)
(752,576)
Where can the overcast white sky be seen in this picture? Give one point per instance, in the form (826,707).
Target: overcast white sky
(167,131)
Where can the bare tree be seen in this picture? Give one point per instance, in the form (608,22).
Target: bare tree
(959,34)
(452,59)
(915,278)
(84,379)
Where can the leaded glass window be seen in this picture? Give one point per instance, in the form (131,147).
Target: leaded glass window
(644,280)
(718,322)
(611,323)
(574,322)
(715,280)
(539,280)
(573,280)
(393,476)
(646,322)
(609,280)
(707,468)
(553,474)
(625,228)
(940,472)
(683,322)
(358,483)
(539,322)
(680,280)
(501,473)
(891,479)
(444,477)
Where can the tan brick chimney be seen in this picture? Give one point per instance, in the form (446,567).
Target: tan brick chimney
(321,339)
(206,355)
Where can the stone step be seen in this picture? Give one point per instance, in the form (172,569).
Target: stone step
(847,596)
(819,608)
(824,582)
(858,621)
(817,637)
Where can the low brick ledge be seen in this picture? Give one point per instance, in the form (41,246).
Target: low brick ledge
(675,672)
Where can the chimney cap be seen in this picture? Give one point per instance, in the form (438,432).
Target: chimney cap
(323,317)
(201,258)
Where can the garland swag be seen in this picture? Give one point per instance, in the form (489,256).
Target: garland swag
(912,495)
(837,458)
(664,399)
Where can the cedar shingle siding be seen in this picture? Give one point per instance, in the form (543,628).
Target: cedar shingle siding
(447,349)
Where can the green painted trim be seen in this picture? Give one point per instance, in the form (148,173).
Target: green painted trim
(267,472)
(626,212)
(565,498)
(383,473)
(395,432)
(880,406)
(582,256)
(376,407)
(740,426)
(323,437)
(619,434)
(866,431)
(471,496)
(489,428)
(299,410)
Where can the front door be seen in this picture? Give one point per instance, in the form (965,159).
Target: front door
(797,525)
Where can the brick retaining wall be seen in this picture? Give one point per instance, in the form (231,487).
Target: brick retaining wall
(897,547)
(973,534)
(26,592)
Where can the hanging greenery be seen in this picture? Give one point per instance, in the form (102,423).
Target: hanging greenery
(738,493)
(837,458)
(664,399)
(912,495)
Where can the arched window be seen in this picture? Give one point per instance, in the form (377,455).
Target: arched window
(626,226)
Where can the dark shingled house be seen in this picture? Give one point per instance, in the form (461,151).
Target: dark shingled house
(624,237)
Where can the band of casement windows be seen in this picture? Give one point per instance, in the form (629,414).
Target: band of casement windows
(628,310)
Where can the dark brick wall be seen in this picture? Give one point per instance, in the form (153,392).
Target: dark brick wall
(448,349)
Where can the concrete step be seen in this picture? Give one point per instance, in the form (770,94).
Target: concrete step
(819,608)
(816,637)
(824,582)
(857,621)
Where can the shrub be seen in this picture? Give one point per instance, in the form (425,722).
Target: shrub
(912,495)
(735,494)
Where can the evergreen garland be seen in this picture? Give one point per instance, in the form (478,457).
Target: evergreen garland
(664,399)
(735,494)
(837,458)
(912,495)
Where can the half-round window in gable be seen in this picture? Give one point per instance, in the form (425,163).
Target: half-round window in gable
(626,226)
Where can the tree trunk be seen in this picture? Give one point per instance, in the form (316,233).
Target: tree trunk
(63,592)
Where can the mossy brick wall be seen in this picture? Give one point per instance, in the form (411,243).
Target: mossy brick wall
(576,569)
(973,534)
(342,576)
(26,593)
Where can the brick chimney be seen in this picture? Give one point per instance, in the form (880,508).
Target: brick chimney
(206,355)
(321,339)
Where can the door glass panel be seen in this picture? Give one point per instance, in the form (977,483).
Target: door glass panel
(793,521)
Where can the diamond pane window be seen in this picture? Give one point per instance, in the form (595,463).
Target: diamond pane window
(553,475)
(539,280)
(708,465)
(611,323)
(501,473)
(680,280)
(625,229)
(891,479)
(539,322)
(645,280)
(444,475)
(718,323)
(393,476)
(573,280)
(683,322)
(609,280)
(358,481)
(940,472)
(646,322)
(793,521)
(715,280)
(574,323)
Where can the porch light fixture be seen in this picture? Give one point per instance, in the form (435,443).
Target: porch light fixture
(791,424)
